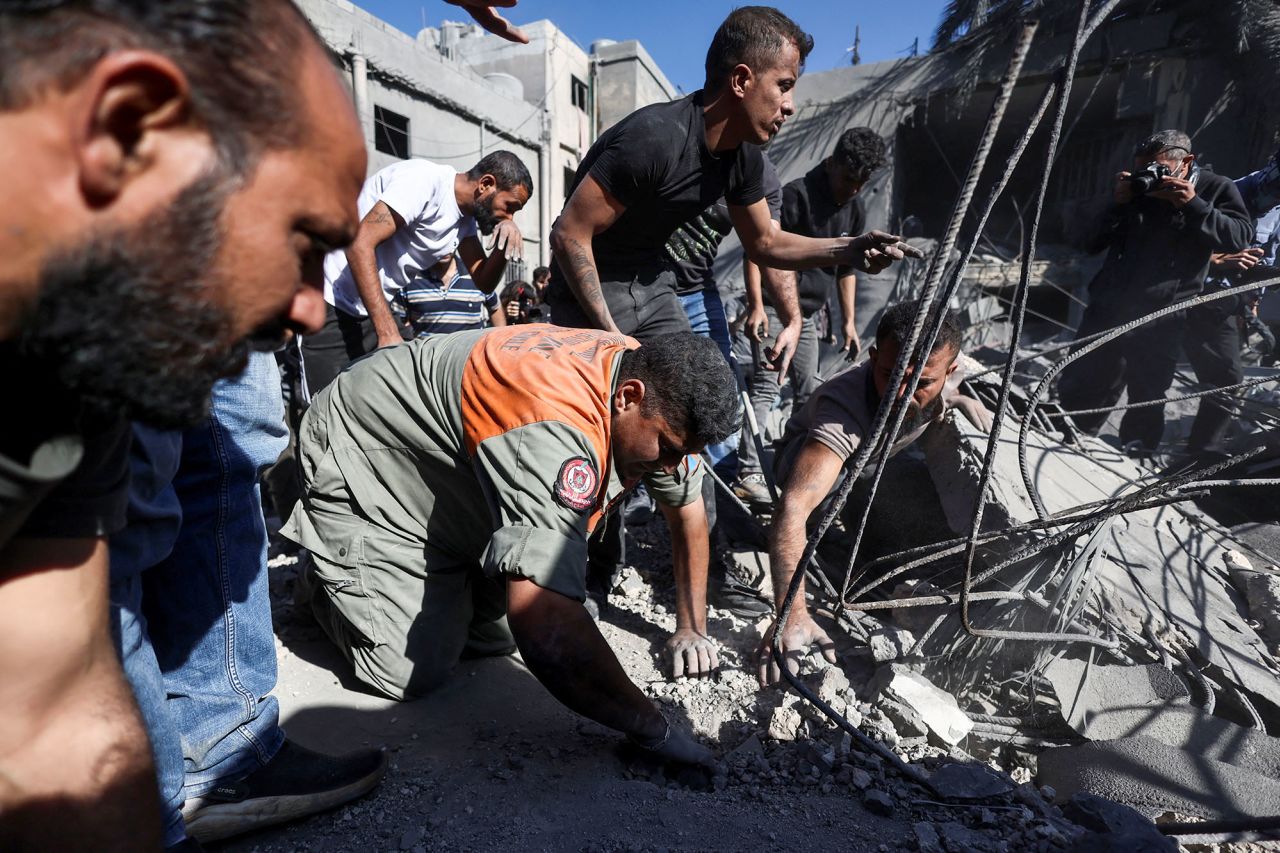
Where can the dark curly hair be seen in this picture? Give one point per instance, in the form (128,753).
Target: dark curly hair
(895,325)
(689,383)
(861,151)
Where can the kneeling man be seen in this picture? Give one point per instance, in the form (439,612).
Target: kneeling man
(826,432)
(451,485)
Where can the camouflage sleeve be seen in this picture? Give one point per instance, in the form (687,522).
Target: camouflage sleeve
(679,488)
(542,482)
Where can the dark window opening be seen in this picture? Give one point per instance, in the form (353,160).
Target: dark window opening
(391,133)
(578,92)
(569,174)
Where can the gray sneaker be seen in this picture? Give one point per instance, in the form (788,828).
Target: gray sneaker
(753,489)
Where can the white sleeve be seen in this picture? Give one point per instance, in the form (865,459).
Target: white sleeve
(410,189)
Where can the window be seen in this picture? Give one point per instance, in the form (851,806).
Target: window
(391,133)
(569,174)
(578,91)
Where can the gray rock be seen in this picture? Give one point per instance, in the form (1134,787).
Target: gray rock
(628,583)
(1261,591)
(878,802)
(969,781)
(784,723)
(927,840)
(958,838)
(906,721)
(749,748)
(860,779)
(936,708)
(890,644)
(831,685)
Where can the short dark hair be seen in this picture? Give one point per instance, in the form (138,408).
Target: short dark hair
(507,169)
(689,383)
(895,325)
(752,36)
(861,151)
(541,273)
(239,58)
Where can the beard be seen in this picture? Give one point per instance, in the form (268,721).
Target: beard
(125,320)
(486,221)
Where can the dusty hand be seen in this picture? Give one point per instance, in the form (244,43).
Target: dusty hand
(852,343)
(783,350)
(874,251)
(800,633)
(1248,259)
(508,240)
(679,746)
(482,12)
(756,324)
(692,654)
(974,412)
(1176,191)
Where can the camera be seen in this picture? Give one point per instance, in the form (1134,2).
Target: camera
(1148,178)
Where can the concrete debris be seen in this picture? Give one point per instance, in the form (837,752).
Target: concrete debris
(936,709)
(1261,591)
(1154,777)
(927,839)
(832,685)
(878,802)
(784,723)
(1112,827)
(970,781)
(890,644)
(1103,702)
(628,583)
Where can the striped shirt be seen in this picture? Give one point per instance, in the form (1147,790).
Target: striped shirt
(433,307)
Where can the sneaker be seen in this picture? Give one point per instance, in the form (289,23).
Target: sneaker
(742,601)
(753,489)
(296,783)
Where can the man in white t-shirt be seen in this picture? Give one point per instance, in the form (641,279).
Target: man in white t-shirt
(413,214)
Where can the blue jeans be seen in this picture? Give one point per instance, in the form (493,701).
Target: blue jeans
(706,316)
(189,593)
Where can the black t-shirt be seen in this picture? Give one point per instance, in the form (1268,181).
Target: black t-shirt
(657,164)
(63,473)
(808,209)
(693,247)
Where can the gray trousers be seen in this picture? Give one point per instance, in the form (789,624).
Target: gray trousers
(765,386)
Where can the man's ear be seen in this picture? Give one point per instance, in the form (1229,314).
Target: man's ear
(630,393)
(135,102)
(486,185)
(740,79)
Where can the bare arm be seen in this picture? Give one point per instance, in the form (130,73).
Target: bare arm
(486,270)
(377,226)
(483,13)
(812,475)
(75,765)
(772,247)
(692,651)
(498,316)
(848,289)
(590,211)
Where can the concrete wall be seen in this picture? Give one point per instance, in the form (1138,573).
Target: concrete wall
(627,78)
(455,115)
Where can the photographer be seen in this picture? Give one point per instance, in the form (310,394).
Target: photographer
(1214,330)
(1170,217)
(521,304)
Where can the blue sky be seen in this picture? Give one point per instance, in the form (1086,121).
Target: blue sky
(677,32)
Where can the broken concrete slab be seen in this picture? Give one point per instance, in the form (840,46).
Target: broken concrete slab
(890,644)
(1261,590)
(969,781)
(936,708)
(1154,777)
(1103,702)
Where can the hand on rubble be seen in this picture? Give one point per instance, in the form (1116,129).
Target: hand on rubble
(692,654)
(800,633)
(677,745)
(874,251)
(482,12)
(973,410)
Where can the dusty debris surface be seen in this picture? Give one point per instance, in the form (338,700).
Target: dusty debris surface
(1011,742)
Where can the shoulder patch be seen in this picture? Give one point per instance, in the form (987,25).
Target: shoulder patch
(576,484)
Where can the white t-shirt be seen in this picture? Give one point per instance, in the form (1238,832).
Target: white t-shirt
(422,194)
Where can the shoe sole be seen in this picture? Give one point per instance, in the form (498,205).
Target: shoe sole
(218,821)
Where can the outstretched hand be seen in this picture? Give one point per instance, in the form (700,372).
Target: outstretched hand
(483,13)
(874,251)
(692,654)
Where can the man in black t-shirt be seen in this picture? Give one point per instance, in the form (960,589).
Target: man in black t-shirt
(823,204)
(661,167)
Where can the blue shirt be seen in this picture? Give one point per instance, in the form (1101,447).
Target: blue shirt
(1261,193)
(434,307)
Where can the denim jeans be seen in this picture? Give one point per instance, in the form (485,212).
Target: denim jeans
(766,386)
(189,593)
(706,317)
